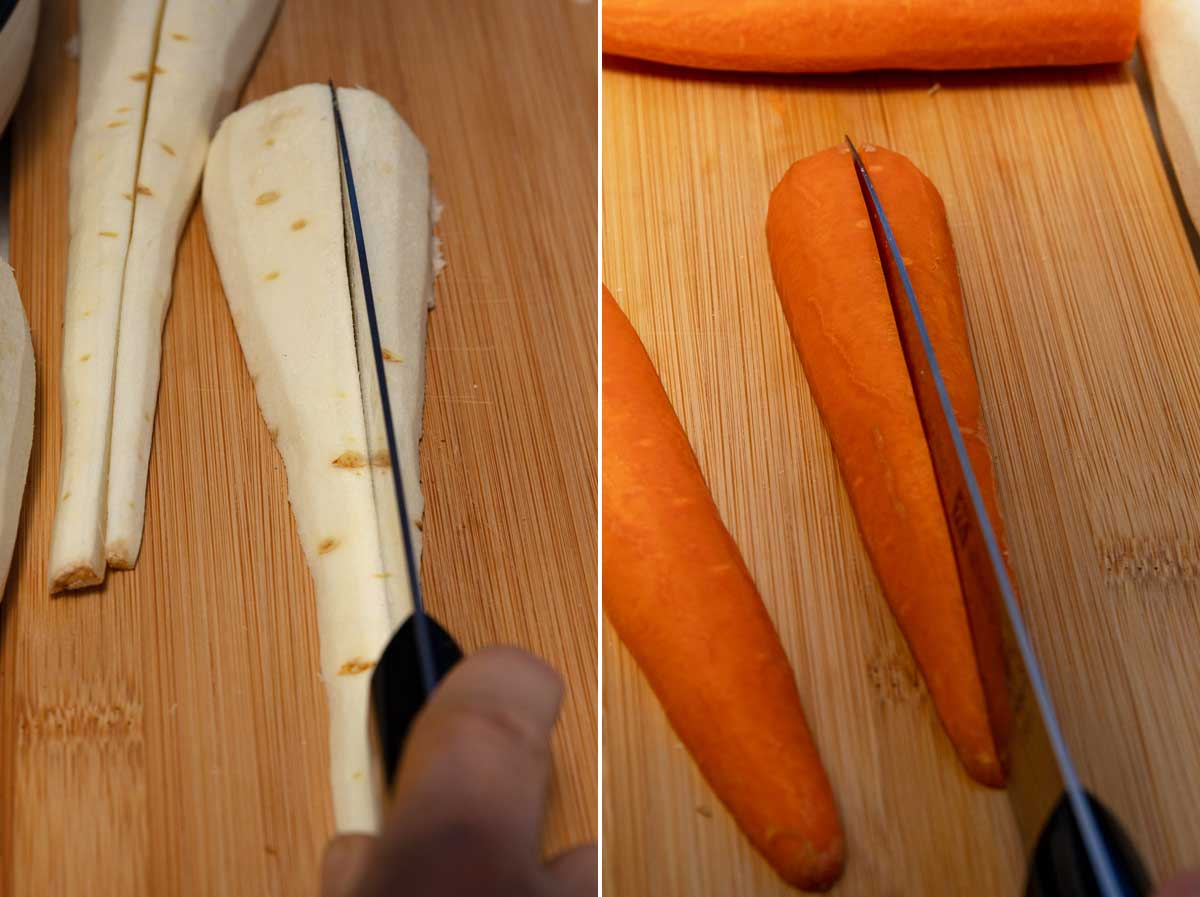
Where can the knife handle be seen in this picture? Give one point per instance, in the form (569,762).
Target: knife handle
(397,695)
(1061,867)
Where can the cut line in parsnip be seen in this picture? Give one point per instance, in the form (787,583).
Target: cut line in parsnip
(294,297)
(148,102)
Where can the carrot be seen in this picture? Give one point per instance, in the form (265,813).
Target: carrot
(853,35)
(679,595)
(830,279)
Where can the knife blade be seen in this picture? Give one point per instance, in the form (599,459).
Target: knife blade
(1074,844)
(421,651)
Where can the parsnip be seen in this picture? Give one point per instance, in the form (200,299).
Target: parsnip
(17,36)
(1170,40)
(204,54)
(155,78)
(117,40)
(273,205)
(16,413)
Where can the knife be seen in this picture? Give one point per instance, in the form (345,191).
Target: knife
(1074,844)
(421,651)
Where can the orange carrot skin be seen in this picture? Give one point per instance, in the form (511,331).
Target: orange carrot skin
(680,597)
(858,35)
(830,280)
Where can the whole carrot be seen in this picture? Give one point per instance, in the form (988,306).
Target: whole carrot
(830,279)
(678,593)
(854,35)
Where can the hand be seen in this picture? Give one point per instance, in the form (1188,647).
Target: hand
(1186,884)
(469,802)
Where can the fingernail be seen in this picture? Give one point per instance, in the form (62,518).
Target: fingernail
(345,859)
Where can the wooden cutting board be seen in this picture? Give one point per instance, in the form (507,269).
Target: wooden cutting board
(1083,302)
(166,734)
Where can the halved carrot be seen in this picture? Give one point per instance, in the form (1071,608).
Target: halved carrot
(855,35)
(679,595)
(830,279)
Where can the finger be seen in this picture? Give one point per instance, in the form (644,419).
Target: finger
(1185,885)
(477,761)
(344,863)
(574,873)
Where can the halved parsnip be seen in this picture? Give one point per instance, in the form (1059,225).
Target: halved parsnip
(273,205)
(117,39)
(204,54)
(16,413)
(395,207)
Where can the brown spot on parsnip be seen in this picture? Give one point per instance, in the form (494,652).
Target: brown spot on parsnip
(355,666)
(143,190)
(273,432)
(271,275)
(381,459)
(350,460)
(128,196)
(123,109)
(159,70)
(270,141)
(167,148)
(108,233)
(178,35)
(265,199)
(327,545)
(140,76)
(391,356)
(117,124)
(299,224)
(420,524)
(66,495)
(86,356)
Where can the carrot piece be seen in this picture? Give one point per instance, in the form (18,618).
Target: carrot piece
(830,279)
(679,595)
(855,35)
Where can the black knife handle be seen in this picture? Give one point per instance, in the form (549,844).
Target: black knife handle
(1061,867)
(397,694)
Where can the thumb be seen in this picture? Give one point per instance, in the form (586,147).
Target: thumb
(345,861)
(574,872)
(1185,885)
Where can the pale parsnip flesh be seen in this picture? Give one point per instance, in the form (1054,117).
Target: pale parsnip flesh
(273,206)
(16,413)
(117,40)
(1170,38)
(205,51)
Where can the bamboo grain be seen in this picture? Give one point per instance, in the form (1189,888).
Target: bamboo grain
(1083,304)
(166,734)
